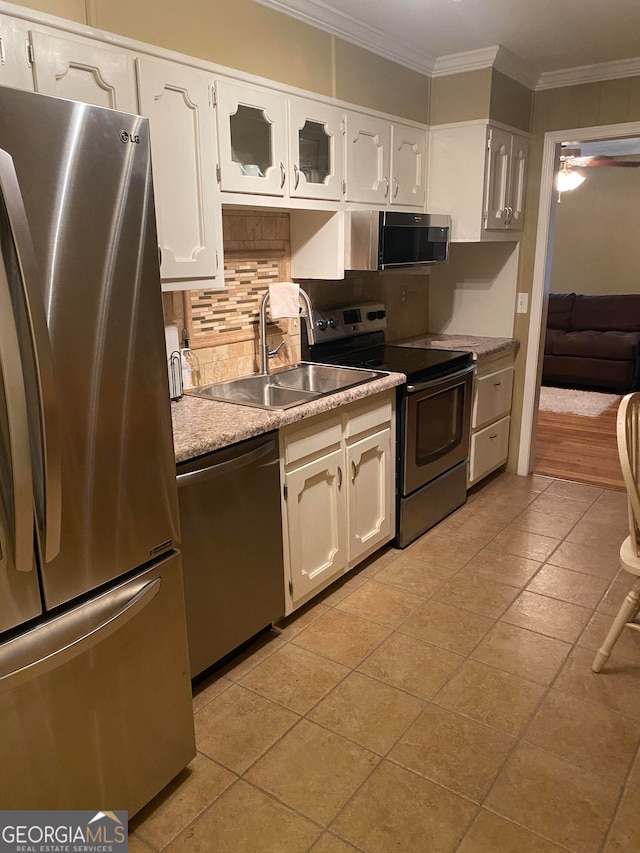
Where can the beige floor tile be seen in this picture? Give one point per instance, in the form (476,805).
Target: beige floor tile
(617,686)
(585,734)
(414,573)
(381,603)
(476,593)
(611,513)
(397,810)
(341,589)
(581,558)
(634,776)
(476,532)
(503,568)
(245,820)
(265,645)
(445,551)
(453,751)
(625,832)
(343,637)
(627,648)
(370,567)
(313,770)
(208,689)
(497,699)
(548,796)
(567,585)
(295,677)
(521,652)
(287,628)
(600,537)
(533,546)
(491,833)
(238,726)
(136,845)
(181,801)
(411,665)
(543,523)
(330,843)
(575,491)
(487,511)
(548,616)
(447,627)
(616,591)
(532,483)
(561,507)
(367,711)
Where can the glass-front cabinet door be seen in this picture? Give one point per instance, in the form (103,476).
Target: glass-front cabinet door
(252,139)
(315,146)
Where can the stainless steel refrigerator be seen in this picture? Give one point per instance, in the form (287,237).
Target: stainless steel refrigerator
(95,700)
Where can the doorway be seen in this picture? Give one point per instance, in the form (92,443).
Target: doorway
(542,275)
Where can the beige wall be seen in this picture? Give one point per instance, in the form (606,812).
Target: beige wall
(460,97)
(587,105)
(511,102)
(595,238)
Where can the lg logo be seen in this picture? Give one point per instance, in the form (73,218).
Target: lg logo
(129,137)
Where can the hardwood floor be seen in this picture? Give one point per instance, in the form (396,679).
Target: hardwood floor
(572,447)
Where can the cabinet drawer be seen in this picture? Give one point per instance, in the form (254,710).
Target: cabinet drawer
(489,449)
(313,440)
(492,396)
(369,416)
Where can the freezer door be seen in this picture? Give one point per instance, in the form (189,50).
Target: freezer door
(96,705)
(102,450)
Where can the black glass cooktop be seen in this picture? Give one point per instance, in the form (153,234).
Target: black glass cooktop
(413,362)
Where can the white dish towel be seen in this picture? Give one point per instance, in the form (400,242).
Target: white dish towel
(284,299)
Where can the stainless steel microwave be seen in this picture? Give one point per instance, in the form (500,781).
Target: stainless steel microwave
(382,239)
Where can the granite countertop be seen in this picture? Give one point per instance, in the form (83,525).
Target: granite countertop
(479,346)
(201,426)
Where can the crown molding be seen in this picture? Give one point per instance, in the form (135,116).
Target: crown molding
(589,73)
(497,57)
(319,14)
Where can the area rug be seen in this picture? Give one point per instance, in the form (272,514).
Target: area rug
(568,401)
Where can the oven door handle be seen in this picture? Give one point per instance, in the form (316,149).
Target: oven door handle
(451,377)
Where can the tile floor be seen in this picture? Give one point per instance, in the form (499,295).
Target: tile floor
(440,699)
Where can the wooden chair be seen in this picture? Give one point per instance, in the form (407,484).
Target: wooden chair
(628,429)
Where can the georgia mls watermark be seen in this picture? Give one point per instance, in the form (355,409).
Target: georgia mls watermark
(63,832)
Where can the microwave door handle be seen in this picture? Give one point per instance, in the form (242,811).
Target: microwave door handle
(52,523)
(18,430)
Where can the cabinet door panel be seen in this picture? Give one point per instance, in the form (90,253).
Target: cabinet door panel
(177,101)
(368,159)
(370,490)
(518,181)
(408,166)
(82,70)
(252,139)
(315,143)
(316,523)
(489,449)
(497,181)
(492,397)
(15,70)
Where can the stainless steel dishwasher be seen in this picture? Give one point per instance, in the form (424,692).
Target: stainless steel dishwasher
(231,547)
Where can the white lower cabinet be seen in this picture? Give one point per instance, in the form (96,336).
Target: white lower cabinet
(490,416)
(338,475)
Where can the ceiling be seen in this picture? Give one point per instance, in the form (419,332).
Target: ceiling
(540,37)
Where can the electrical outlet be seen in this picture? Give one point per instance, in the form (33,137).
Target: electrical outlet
(523,303)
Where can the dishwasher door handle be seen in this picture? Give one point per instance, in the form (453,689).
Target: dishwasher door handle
(220,468)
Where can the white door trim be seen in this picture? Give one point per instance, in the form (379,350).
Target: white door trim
(541,273)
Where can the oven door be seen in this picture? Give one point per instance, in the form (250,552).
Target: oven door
(437,422)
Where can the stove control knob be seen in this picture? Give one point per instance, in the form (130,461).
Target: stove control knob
(382,315)
(322,325)
(332,322)
(372,315)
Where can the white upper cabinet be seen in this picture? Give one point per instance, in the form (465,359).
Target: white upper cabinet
(84,70)
(315,150)
(408,166)
(252,139)
(178,101)
(477,174)
(507,156)
(15,67)
(368,159)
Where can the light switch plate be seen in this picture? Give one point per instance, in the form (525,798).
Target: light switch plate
(523,303)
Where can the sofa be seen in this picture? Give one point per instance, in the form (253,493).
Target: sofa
(593,341)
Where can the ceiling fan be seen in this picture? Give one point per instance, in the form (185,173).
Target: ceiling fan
(582,157)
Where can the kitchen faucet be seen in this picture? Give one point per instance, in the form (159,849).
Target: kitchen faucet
(266,352)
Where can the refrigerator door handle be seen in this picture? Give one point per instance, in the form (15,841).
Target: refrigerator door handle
(18,429)
(53,647)
(12,195)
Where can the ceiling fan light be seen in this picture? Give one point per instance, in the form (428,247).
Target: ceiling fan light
(568,180)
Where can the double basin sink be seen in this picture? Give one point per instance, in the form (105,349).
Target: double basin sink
(290,386)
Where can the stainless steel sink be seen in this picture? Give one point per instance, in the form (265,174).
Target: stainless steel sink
(288,387)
